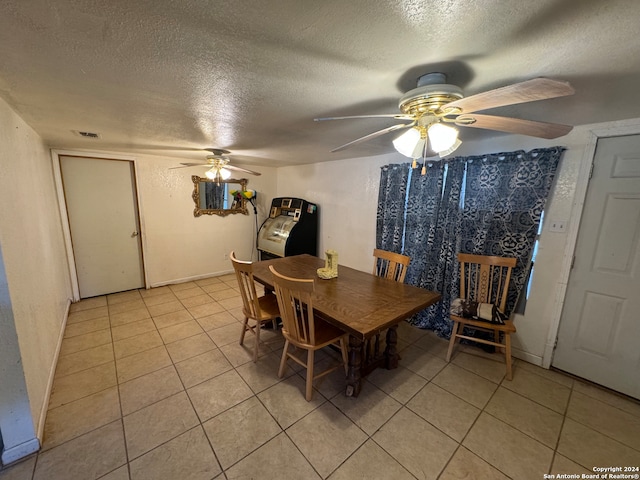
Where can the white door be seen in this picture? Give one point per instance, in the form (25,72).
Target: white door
(599,334)
(103,219)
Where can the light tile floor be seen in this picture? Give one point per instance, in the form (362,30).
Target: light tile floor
(152,384)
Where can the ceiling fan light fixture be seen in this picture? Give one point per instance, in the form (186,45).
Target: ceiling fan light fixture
(442,137)
(211,173)
(434,101)
(410,143)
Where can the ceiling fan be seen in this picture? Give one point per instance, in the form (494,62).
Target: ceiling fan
(218,165)
(434,106)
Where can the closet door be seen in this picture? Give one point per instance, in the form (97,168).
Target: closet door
(599,334)
(101,202)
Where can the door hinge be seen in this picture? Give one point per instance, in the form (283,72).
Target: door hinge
(591,172)
(573,261)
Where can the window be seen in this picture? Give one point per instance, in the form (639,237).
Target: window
(522,301)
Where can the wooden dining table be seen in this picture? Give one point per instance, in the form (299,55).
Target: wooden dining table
(357,302)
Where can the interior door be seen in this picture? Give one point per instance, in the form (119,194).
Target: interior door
(599,330)
(101,203)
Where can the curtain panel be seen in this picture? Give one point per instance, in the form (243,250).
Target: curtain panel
(435,253)
(486,204)
(391,207)
(505,195)
(421,214)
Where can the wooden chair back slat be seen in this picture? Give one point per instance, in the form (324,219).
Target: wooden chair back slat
(390,265)
(485,279)
(244,275)
(296,307)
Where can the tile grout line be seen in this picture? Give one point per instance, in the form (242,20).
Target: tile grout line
(124,436)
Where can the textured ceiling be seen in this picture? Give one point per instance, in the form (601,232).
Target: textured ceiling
(174,76)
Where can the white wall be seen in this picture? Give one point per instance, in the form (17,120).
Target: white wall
(16,425)
(179,246)
(347,194)
(35,263)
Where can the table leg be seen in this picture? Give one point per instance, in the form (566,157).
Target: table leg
(391,351)
(353,373)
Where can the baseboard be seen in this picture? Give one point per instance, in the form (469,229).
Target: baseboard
(52,372)
(17,452)
(189,279)
(526,356)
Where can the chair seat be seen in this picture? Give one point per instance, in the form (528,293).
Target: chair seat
(325,334)
(268,306)
(507,327)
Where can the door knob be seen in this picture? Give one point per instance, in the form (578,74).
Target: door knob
(134,234)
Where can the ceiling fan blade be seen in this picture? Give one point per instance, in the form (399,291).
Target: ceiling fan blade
(528,91)
(514,125)
(399,116)
(239,169)
(374,135)
(185,165)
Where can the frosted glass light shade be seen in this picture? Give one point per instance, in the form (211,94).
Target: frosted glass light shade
(213,172)
(442,137)
(224,173)
(410,144)
(450,150)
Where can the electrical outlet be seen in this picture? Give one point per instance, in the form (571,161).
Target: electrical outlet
(557,226)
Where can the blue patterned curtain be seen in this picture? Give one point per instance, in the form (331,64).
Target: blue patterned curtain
(391,207)
(433,254)
(505,195)
(487,205)
(422,209)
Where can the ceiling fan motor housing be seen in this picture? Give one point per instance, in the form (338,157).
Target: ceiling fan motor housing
(217,161)
(217,152)
(432,93)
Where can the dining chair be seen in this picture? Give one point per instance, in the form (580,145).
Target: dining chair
(484,286)
(303,329)
(259,309)
(390,265)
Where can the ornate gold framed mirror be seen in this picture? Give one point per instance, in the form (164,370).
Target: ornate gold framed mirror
(214,197)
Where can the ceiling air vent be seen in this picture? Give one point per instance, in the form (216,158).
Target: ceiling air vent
(86,134)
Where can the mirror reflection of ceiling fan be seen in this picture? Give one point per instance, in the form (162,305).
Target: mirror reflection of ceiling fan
(217,164)
(434,107)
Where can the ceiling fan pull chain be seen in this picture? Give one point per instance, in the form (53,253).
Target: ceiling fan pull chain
(424,159)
